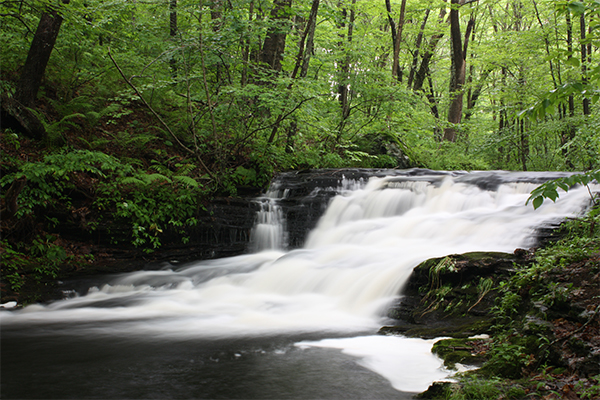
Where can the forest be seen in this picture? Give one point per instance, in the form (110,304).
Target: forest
(143,111)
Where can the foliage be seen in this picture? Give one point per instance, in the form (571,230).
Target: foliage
(147,202)
(36,264)
(549,190)
(50,180)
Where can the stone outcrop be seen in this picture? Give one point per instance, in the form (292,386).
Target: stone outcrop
(453,295)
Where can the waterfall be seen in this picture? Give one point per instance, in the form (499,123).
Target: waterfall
(352,265)
(354,262)
(269,231)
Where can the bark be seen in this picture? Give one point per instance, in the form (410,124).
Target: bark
(428,55)
(274,45)
(246,50)
(570,51)
(474,96)
(306,41)
(547,44)
(302,60)
(388,7)
(584,60)
(173,33)
(37,59)
(10,205)
(343,89)
(418,41)
(310,39)
(397,38)
(17,108)
(216,13)
(524,145)
(458,74)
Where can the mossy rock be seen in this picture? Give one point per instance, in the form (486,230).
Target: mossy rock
(457,351)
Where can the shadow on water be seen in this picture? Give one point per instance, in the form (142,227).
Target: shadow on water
(67,367)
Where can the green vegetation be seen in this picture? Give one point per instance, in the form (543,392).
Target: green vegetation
(545,319)
(143,111)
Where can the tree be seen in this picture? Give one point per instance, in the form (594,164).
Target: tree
(457,80)
(274,44)
(32,74)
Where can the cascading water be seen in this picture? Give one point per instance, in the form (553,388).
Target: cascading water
(353,264)
(269,232)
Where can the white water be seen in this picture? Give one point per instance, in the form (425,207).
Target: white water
(269,232)
(354,263)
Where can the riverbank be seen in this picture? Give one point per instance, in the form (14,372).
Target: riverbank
(529,321)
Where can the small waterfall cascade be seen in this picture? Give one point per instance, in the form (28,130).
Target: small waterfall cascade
(269,231)
(353,263)
(337,286)
(270,228)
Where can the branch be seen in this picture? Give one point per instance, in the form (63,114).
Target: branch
(163,123)
(20,20)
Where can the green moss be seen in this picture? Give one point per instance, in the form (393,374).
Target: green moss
(454,351)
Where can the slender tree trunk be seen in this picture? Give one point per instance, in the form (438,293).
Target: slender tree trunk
(418,41)
(302,60)
(570,51)
(547,44)
(246,50)
(568,132)
(173,33)
(584,61)
(423,71)
(474,95)
(306,40)
(343,86)
(310,39)
(397,38)
(524,145)
(17,109)
(216,14)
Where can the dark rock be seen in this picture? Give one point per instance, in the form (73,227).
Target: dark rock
(451,296)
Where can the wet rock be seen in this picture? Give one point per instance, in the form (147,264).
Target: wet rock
(451,296)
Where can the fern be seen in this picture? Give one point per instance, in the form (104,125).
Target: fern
(186,180)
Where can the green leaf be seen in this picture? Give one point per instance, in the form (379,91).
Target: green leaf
(576,7)
(573,62)
(537,202)
(551,194)
(186,180)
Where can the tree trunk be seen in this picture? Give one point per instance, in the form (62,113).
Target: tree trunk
(423,71)
(418,41)
(32,75)
(569,130)
(310,39)
(246,50)
(458,74)
(302,60)
(173,33)
(397,38)
(306,41)
(274,45)
(343,89)
(38,56)
(584,61)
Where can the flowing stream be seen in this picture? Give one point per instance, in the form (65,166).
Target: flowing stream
(274,323)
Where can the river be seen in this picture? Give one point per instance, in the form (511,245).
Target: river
(277,323)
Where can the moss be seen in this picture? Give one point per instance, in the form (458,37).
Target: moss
(457,328)
(454,351)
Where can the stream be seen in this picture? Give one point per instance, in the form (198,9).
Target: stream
(278,323)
